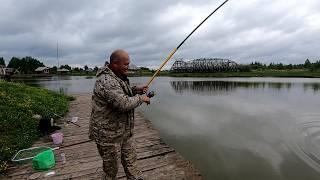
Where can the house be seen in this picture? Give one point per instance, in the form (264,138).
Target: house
(89,70)
(63,71)
(133,69)
(2,70)
(42,70)
(5,71)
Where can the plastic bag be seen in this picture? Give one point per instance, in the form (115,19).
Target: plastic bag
(44,160)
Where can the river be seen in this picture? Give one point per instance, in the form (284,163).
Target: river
(231,128)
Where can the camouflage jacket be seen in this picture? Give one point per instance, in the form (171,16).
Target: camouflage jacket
(113,103)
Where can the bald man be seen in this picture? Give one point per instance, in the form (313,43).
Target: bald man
(112,116)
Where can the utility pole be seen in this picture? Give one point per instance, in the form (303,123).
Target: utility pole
(58,54)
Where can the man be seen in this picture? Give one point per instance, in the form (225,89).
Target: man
(112,116)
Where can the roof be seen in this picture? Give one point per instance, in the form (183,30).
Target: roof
(41,68)
(89,70)
(63,70)
(133,67)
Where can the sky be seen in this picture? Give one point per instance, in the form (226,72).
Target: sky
(87,31)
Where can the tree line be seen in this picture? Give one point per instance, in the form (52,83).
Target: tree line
(307,65)
(27,65)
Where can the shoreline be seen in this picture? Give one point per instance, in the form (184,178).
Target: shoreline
(266,73)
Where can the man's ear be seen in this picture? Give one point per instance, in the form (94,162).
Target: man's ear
(112,65)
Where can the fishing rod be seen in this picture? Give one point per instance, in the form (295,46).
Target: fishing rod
(175,49)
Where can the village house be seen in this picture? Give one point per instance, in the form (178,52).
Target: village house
(63,71)
(42,70)
(133,69)
(4,71)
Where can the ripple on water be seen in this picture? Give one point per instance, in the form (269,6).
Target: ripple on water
(305,140)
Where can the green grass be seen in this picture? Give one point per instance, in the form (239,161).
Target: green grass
(18,103)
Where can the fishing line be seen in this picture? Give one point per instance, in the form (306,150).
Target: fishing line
(175,49)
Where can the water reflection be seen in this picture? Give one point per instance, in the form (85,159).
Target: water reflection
(62,84)
(203,87)
(63,90)
(223,87)
(314,86)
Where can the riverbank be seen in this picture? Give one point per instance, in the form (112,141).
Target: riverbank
(18,103)
(264,73)
(156,159)
(295,73)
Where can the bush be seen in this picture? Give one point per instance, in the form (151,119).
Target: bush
(244,68)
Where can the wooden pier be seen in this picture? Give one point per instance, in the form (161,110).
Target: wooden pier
(155,158)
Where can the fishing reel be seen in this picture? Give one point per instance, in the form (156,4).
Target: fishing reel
(150,94)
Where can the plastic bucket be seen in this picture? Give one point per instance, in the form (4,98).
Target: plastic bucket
(57,138)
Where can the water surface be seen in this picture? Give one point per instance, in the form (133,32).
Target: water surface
(232,128)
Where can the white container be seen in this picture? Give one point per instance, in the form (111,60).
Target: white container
(63,158)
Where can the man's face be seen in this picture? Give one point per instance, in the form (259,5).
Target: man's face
(122,66)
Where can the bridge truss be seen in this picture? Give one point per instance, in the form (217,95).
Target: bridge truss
(204,65)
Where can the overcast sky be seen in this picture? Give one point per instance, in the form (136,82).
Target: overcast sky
(87,31)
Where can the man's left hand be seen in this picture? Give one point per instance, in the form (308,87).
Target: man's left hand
(142,89)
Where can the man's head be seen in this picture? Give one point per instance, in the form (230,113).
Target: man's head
(119,62)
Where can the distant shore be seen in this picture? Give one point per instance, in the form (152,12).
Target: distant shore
(260,73)
(287,74)
(257,73)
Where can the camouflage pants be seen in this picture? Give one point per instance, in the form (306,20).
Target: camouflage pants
(109,155)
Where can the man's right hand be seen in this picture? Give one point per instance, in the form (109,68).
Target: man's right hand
(146,99)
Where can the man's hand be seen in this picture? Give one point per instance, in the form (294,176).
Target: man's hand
(146,99)
(142,89)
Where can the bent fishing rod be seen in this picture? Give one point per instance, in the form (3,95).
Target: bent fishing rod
(175,49)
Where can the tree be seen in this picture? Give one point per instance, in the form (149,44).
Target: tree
(53,70)
(65,67)
(2,61)
(256,65)
(76,69)
(244,68)
(145,68)
(315,66)
(307,64)
(86,68)
(14,63)
(279,66)
(96,69)
(25,65)
(271,66)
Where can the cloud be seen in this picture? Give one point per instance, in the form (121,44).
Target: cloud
(88,31)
